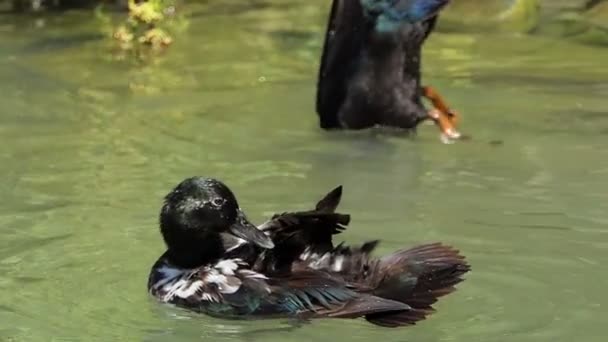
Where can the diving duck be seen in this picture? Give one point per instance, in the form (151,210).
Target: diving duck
(370,67)
(219,263)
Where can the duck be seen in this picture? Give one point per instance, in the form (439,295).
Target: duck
(220,264)
(369,74)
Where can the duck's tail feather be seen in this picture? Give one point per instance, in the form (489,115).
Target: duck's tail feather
(416,277)
(330,202)
(368,305)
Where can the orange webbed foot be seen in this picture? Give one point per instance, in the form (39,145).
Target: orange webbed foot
(449,133)
(445,118)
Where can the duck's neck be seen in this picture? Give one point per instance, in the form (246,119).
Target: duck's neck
(192,252)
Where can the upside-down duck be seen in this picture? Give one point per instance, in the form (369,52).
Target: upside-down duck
(370,67)
(219,263)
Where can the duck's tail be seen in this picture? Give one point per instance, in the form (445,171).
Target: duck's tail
(416,277)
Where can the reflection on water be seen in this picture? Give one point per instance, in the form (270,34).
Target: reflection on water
(90,146)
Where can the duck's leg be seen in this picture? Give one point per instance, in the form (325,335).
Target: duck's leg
(439,103)
(441,114)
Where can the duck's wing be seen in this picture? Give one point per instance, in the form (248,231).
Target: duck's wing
(295,232)
(343,43)
(313,293)
(352,263)
(230,288)
(315,226)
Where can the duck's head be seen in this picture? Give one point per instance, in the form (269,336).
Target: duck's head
(197,211)
(389,15)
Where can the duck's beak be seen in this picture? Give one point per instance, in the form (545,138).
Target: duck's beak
(243,229)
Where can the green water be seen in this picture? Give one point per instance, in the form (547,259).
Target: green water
(90,146)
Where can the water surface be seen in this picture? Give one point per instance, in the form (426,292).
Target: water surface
(90,146)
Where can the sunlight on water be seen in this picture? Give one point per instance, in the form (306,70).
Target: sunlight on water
(90,146)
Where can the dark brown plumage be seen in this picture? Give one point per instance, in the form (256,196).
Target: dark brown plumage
(220,264)
(416,277)
(370,66)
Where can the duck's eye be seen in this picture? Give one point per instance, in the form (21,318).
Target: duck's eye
(217,202)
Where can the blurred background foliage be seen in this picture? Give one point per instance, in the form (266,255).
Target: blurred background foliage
(581,20)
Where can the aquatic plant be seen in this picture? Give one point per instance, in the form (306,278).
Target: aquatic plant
(144,24)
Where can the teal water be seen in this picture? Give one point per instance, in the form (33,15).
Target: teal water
(90,146)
